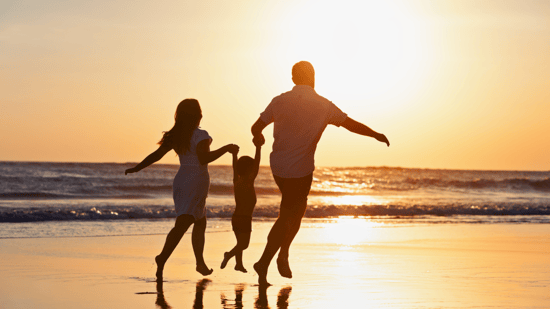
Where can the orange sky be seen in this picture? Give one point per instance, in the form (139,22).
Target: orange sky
(453,84)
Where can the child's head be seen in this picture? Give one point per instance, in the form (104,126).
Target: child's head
(244,165)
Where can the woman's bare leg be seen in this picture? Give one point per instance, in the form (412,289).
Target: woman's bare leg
(173,238)
(197,240)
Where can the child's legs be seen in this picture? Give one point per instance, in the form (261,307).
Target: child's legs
(243,240)
(197,240)
(173,238)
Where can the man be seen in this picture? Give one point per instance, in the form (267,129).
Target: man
(300,116)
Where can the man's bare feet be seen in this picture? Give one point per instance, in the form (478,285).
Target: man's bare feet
(160,267)
(284,268)
(226,257)
(204,270)
(240,268)
(261,270)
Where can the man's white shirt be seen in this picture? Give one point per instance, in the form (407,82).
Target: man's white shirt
(300,116)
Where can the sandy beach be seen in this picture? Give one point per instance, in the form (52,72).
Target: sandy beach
(350,263)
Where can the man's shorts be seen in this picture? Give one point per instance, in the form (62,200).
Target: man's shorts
(294,194)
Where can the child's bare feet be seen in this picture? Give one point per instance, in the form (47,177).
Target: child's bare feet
(204,270)
(226,257)
(160,267)
(284,268)
(261,270)
(240,268)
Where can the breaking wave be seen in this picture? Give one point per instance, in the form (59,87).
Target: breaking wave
(35,214)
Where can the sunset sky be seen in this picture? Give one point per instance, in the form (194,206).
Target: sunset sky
(452,84)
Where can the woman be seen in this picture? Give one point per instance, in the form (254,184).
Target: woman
(191,183)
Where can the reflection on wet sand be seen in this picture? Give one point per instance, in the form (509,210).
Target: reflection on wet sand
(260,301)
(161,301)
(282,298)
(201,286)
(239,288)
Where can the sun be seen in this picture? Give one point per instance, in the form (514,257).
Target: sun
(360,49)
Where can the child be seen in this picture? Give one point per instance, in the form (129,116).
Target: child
(191,183)
(245,171)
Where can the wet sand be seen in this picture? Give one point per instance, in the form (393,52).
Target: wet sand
(352,263)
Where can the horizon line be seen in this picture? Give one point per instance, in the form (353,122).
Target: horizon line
(316,166)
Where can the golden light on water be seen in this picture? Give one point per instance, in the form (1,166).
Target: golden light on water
(354,200)
(349,231)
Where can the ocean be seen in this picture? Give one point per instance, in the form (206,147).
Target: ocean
(42,199)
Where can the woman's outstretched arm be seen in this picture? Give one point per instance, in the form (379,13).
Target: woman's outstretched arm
(150,159)
(206,156)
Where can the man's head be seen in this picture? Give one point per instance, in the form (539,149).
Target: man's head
(303,74)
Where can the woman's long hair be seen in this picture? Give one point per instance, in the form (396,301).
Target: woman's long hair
(188,116)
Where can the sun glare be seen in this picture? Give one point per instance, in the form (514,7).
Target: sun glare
(349,231)
(359,49)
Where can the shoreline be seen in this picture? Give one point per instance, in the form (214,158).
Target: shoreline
(159,226)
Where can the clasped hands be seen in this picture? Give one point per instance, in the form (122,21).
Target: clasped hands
(258,140)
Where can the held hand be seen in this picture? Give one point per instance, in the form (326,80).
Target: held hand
(232,148)
(258,140)
(382,138)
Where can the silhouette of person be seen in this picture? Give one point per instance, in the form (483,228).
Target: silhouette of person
(245,170)
(299,116)
(190,187)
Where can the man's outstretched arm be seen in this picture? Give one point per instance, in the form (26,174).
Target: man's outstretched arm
(361,129)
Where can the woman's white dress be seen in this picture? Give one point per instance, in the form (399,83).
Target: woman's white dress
(192,180)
